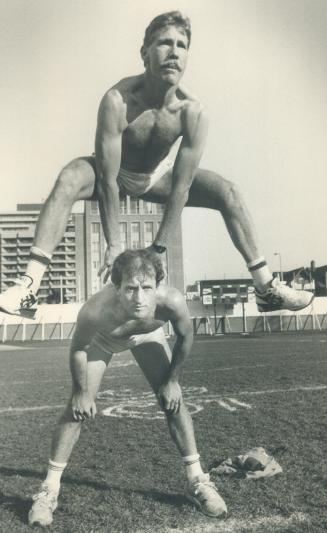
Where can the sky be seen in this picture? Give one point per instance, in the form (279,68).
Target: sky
(258,66)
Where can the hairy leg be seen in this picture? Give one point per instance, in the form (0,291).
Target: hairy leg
(154,360)
(211,191)
(75,182)
(67,431)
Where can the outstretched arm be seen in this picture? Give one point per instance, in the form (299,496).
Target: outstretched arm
(194,126)
(169,394)
(110,126)
(82,405)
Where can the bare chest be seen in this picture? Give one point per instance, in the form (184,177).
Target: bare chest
(152,130)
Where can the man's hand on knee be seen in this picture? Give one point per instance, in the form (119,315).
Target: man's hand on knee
(83,406)
(170,397)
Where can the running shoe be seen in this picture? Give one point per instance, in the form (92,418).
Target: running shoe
(45,503)
(19,300)
(278,296)
(204,494)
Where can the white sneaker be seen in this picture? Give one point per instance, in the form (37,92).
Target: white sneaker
(45,503)
(19,300)
(278,296)
(204,494)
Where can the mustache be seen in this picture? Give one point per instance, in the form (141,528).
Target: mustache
(171,64)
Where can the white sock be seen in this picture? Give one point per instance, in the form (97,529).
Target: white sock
(260,273)
(37,265)
(192,467)
(55,471)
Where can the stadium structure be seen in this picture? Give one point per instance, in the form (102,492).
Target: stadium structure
(72,275)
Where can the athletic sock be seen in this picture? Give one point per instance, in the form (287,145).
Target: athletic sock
(37,265)
(192,467)
(260,273)
(55,471)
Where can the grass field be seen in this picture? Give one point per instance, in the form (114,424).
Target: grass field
(126,476)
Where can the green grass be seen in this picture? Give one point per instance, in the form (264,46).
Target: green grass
(125,474)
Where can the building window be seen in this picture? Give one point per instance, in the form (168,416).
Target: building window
(135,206)
(123,205)
(123,235)
(94,208)
(135,235)
(148,234)
(95,228)
(149,208)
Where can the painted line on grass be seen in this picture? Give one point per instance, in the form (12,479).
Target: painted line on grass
(125,403)
(261,365)
(312,388)
(241,404)
(27,409)
(239,525)
(9,347)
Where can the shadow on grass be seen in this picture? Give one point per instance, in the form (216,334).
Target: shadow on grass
(21,506)
(17,505)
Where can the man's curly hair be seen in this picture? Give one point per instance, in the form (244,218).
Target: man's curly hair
(171,18)
(136,262)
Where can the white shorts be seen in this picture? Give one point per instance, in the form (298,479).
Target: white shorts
(108,345)
(135,183)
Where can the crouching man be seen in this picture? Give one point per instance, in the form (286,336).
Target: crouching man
(129,314)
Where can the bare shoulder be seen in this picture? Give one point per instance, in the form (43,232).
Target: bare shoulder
(92,311)
(172,301)
(193,115)
(125,87)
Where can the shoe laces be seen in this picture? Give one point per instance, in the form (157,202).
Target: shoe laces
(201,486)
(45,497)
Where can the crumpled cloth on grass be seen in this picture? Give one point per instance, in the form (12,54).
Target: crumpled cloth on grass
(254,464)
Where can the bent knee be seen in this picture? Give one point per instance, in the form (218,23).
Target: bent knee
(230,196)
(71,180)
(182,410)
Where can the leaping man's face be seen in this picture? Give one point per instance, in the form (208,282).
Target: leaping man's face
(166,57)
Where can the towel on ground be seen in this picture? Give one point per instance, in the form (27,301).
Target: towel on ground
(254,464)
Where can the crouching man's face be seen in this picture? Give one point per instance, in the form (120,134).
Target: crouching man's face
(137,295)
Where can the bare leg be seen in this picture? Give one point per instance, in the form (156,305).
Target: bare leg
(154,360)
(64,439)
(75,182)
(211,191)
(67,432)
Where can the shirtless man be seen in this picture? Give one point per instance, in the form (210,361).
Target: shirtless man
(129,314)
(139,120)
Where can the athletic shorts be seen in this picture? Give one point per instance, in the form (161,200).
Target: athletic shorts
(135,183)
(107,345)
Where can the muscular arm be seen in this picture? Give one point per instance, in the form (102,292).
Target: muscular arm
(170,394)
(184,336)
(195,126)
(85,329)
(111,123)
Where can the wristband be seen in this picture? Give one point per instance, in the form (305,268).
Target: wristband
(158,248)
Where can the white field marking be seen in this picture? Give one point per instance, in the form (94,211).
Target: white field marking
(117,364)
(125,404)
(134,406)
(144,405)
(26,409)
(9,347)
(234,525)
(233,368)
(225,405)
(276,391)
(241,404)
